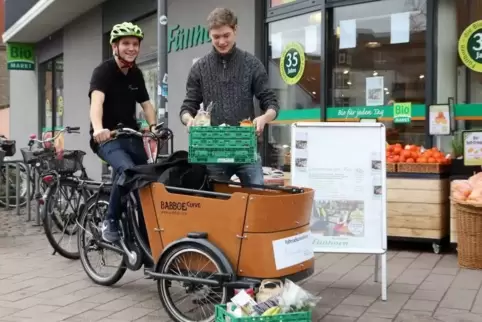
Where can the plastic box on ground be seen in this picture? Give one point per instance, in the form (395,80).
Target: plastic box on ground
(222,144)
(222,316)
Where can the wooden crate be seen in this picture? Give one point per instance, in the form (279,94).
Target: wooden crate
(418,208)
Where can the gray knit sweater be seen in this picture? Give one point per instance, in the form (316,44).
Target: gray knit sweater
(230,82)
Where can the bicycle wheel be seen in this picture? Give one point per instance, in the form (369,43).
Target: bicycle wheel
(12,181)
(203,263)
(60,218)
(90,222)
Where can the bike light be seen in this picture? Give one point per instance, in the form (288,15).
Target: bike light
(48,179)
(41,201)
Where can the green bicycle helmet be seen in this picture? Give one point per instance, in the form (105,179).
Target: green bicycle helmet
(125,29)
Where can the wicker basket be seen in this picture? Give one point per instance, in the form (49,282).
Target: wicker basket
(423,168)
(469,234)
(391,167)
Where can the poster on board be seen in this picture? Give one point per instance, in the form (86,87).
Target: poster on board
(349,210)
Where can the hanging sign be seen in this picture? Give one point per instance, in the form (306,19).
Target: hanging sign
(470,46)
(292,63)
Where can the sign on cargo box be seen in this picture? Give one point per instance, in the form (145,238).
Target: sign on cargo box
(20,56)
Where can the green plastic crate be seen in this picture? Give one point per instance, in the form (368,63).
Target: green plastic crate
(222,314)
(223,144)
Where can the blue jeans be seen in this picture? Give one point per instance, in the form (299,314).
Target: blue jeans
(247,173)
(122,154)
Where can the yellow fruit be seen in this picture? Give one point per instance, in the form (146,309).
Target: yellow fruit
(272,311)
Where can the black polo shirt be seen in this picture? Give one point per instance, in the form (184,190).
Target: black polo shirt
(121,91)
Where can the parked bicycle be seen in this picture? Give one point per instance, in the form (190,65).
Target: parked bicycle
(9,180)
(62,200)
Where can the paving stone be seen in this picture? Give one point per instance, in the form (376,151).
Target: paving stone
(348,310)
(458,299)
(402,288)
(360,300)
(428,295)
(421,305)
(410,315)
(393,305)
(425,261)
(376,317)
(413,276)
(334,318)
(435,282)
(467,279)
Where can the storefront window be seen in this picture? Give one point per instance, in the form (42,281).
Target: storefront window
(378,59)
(149,70)
(299,94)
(469,82)
(275,3)
(52,78)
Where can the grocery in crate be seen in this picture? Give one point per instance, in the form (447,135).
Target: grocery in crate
(273,301)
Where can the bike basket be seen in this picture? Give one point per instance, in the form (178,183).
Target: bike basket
(32,157)
(222,316)
(223,144)
(9,146)
(67,161)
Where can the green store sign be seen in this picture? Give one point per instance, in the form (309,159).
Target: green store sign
(20,56)
(185,38)
(416,112)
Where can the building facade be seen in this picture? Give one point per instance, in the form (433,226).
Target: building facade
(333,60)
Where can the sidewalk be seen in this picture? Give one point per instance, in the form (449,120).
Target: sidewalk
(36,286)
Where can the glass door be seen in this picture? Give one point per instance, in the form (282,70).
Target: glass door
(52,99)
(294,69)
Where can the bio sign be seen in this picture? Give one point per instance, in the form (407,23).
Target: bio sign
(20,56)
(402,112)
(292,63)
(470,46)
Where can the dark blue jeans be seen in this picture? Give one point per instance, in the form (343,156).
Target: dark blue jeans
(247,173)
(121,154)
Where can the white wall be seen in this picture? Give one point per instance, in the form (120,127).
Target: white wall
(24,110)
(82,53)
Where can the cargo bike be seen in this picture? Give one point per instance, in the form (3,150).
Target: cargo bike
(204,238)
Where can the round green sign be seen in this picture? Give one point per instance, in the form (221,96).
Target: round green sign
(292,63)
(470,46)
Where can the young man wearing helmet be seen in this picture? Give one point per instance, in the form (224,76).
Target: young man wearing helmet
(116,86)
(229,78)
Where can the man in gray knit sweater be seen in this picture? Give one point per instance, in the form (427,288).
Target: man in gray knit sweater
(229,78)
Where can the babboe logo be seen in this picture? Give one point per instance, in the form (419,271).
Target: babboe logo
(176,207)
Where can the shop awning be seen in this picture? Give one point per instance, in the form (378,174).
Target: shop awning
(46,17)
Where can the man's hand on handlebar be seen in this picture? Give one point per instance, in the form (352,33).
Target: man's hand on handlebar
(102,135)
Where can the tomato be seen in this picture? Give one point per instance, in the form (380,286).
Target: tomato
(396,158)
(422,160)
(397,150)
(407,154)
(431,160)
(402,159)
(410,160)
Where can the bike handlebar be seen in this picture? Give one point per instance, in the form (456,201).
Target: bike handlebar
(68,129)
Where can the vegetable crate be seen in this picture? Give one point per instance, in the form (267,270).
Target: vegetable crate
(223,316)
(223,144)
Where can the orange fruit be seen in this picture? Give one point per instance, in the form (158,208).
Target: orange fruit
(407,154)
(396,158)
(431,160)
(422,160)
(402,159)
(410,160)
(397,149)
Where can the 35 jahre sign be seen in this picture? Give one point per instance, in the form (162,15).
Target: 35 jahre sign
(470,46)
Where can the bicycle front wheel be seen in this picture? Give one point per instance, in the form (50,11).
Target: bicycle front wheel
(60,218)
(90,222)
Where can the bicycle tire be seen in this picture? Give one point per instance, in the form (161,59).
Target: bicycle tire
(50,219)
(83,222)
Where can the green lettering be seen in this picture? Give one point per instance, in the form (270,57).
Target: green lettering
(172,38)
(198,37)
